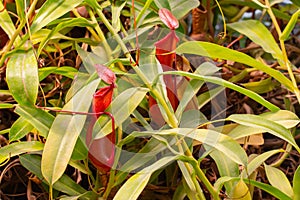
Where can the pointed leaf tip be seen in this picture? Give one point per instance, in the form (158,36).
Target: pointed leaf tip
(168,18)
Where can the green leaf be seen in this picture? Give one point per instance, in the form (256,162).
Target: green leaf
(121,108)
(217,51)
(211,138)
(64,133)
(6,23)
(226,167)
(259,34)
(296,183)
(220,81)
(262,86)
(65,184)
(116,9)
(76,22)
(279,180)
(51,10)
(135,184)
(20,6)
(18,148)
(22,77)
(290,26)
(266,125)
(6,105)
(286,118)
(66,71)
(258,161)
(240,191)
(19,129)
(38,118)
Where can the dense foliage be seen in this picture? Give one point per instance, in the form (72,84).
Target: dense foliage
(149,99)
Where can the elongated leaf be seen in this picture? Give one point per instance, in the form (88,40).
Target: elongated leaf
(6,23)
(22,77)
(226,167)
(69,72)
(116,9)
(259,34)
(20,6)
(258,161)
(265,124)
(18,148)
(80,22)
(296,183)
(50,11)
(211,138)
(65,184)
(19,129)
(285,118)
(220,81)
(290,26)
(6,105)
(216,51)
(262,86)
(121,108)
(64,133)
(135,184)
(279,180)
(38,118)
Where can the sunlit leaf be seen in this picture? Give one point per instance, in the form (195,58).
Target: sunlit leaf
(136,184)
(241,191)
(116,9)
(38,118)
(290,26)
(226,167)
(22,77)
(222,82)
(217,51)
(296,183)
(262,86)
(50,11)
(67,71)
(64,132)
(19,129)
(18,148)
(259,34)
(258,161)
(6,23)
(266,187)
(211,138)
(279,180)
(266,125)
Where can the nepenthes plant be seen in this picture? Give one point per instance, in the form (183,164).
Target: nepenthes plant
(141,105)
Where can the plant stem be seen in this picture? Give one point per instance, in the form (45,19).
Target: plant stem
(171,117)
(283,49)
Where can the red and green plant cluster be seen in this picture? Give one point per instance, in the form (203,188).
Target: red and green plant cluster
(147,99)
